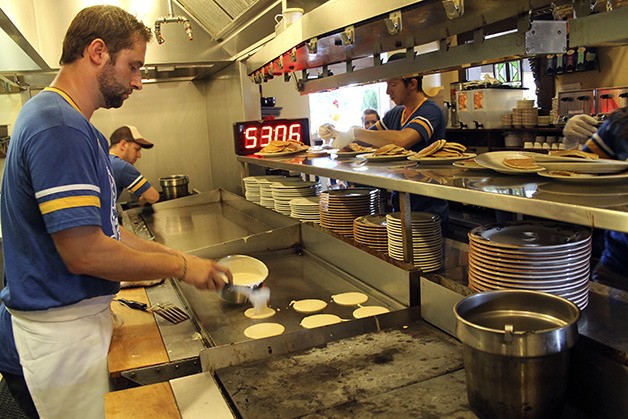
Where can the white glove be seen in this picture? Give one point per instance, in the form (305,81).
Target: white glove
(579,128)
(324,131)
(342,139)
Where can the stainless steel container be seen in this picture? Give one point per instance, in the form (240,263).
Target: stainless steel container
(516,352)
(175,186)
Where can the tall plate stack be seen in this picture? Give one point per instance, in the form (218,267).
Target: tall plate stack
(427,239)
(305,209)
(251,186)
(370,230)
(286,190)
(543,256)
(338,208)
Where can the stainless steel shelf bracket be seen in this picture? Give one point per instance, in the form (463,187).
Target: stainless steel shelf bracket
(348,35)
(393,22)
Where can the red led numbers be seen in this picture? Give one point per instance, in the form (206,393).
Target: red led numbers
(255,137)
(251,136)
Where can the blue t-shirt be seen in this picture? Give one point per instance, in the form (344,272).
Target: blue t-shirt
(127,176)
(56,177)
(610,141)
(428,120)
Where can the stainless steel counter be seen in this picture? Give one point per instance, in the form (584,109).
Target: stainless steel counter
(600,205)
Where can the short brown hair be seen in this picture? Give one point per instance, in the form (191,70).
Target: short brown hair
(115,26)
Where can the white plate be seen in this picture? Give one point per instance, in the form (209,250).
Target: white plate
(352,153)
(439,160)
(539,157)
(493,160)
(386,157)
(586,178)
(283,153)
(607,166)
(470,164)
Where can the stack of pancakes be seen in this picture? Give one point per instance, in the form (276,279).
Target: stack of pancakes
(356,147)
(390,150)
(521,163)
(283,147)
(442,148)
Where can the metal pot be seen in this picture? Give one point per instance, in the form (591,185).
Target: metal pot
(516,352)
(174,186)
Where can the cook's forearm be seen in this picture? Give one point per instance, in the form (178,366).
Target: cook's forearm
(405,138)
(87,251)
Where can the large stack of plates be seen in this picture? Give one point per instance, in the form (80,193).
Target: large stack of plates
(370,230)
(251,186)
(543,256)
(427,239)
(305,209)
(338,208)
(285,190)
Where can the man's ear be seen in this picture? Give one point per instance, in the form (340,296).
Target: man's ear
(97,52)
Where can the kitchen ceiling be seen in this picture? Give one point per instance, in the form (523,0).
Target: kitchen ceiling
(33,30)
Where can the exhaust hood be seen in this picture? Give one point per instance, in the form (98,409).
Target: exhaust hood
(33,30)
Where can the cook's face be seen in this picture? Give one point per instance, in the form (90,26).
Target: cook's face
(132,152)
(117,81)
(369,120)
(397,90)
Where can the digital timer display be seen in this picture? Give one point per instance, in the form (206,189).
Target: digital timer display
(251,136)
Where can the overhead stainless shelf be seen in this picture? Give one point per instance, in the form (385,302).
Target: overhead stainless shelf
(584,204)
(345,32)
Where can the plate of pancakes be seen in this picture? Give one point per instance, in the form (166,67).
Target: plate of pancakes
(509,162)
(388,152)
(442,151)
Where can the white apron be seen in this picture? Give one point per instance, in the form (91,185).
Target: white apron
(63,352)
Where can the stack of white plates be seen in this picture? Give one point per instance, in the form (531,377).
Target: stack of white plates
(285,190)
(251,186)
(370,230)
(427,239)
(305,209)
(338,208)
(543,256)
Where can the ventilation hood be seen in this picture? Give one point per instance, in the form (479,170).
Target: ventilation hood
(32,33)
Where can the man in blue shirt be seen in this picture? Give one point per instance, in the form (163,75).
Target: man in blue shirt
(610,141)
(415,123)
(125,149)
(64,253)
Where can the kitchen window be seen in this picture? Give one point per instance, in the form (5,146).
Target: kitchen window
(343,107)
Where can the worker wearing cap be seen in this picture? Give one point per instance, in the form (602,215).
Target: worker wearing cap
(126,147)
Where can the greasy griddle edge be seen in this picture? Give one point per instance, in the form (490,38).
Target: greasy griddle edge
(306,372)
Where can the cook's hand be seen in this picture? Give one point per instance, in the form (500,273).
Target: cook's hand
(325,131)
(580,128)
(205,274)
(342,139)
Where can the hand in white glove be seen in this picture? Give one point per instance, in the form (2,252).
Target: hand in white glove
(580,127)
(325,131)
(342,139)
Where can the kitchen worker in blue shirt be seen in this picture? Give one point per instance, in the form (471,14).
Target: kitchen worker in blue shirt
(64,252)
(125,149)
(413,124)
(610,141)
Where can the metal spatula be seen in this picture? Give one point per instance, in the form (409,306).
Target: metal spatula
(167,311)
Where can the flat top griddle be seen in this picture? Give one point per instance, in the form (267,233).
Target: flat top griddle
(293,275)
(360,374)
(191,227)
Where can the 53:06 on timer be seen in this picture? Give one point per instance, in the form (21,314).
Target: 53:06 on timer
(260,136)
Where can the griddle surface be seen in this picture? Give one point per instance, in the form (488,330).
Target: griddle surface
(344,374)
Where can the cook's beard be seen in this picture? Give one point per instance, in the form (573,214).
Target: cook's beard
(110,89)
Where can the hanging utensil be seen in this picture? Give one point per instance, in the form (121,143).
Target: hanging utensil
(167,311)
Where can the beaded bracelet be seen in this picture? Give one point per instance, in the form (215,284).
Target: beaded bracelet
(185,268)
